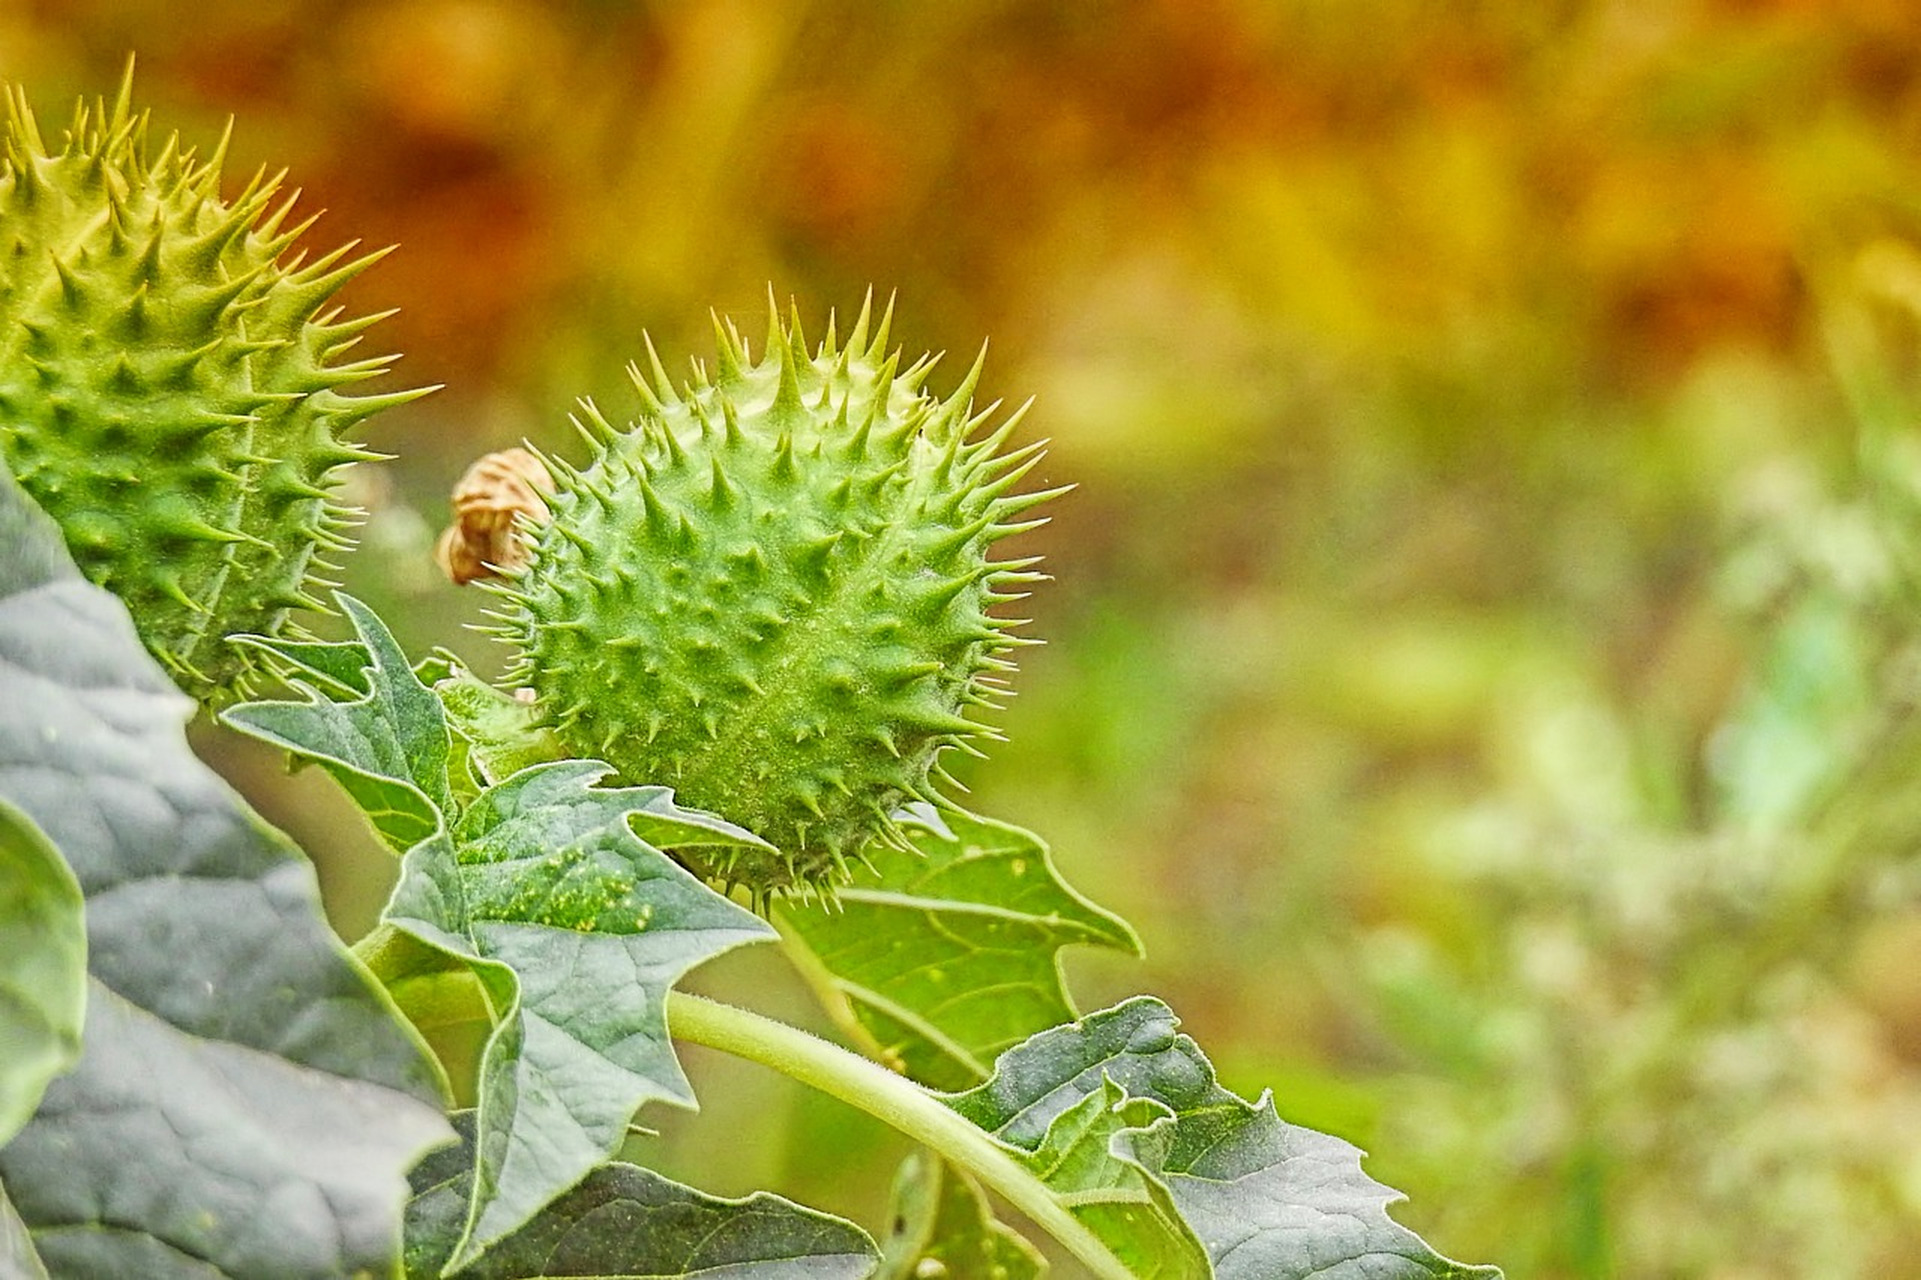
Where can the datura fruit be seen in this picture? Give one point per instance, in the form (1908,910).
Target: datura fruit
(171,384)
(774,592)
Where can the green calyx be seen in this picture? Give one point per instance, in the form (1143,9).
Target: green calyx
(773,592)
(171,383)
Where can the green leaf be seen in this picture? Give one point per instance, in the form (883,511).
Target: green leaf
(1796,729)
(556,895)
(338,666)
(1083,1157)
(380,733)
(579,928)
(43,967)
(942,1227)
(245,1102)
(941,959)
(1268,1200)
(502,734)
(627,1221)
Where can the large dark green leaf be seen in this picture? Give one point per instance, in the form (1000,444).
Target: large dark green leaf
(944,957)
(553,892)
(1267,1199)
(631,1222)
(245,1103)
(43,967)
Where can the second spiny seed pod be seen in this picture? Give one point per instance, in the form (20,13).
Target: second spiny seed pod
(774,592)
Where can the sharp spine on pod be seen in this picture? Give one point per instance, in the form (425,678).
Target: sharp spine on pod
(171,388)
(772,592)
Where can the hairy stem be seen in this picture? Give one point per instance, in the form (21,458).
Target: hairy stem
(894,1099)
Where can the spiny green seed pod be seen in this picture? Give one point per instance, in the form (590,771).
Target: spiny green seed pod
(171,390)
(772,592)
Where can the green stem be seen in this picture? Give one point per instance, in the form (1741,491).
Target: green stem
(892,1098)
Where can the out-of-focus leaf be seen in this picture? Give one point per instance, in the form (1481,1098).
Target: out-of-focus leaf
(1799,725)
(623,1220)
(245,1102)
(557,896)
(43,967)
(945,957)
(1268,1200)
(941,1226)
(19,1260)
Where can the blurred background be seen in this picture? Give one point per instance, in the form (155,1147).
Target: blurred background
(1483,661)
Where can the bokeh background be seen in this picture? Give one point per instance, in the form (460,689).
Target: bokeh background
(1483,658)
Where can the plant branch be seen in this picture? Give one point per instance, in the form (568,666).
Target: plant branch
(894,1099)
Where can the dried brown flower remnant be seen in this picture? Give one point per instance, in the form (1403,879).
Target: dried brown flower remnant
(483,541)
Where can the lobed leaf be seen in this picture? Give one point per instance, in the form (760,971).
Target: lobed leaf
(245,1102)
(1266,1199)
(546,877)
(43,967)
(555,894)
(1084,1159)
(945,956)
(379,732)
(623,1220)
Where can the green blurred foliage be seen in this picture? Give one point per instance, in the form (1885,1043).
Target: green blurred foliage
(1484,656)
